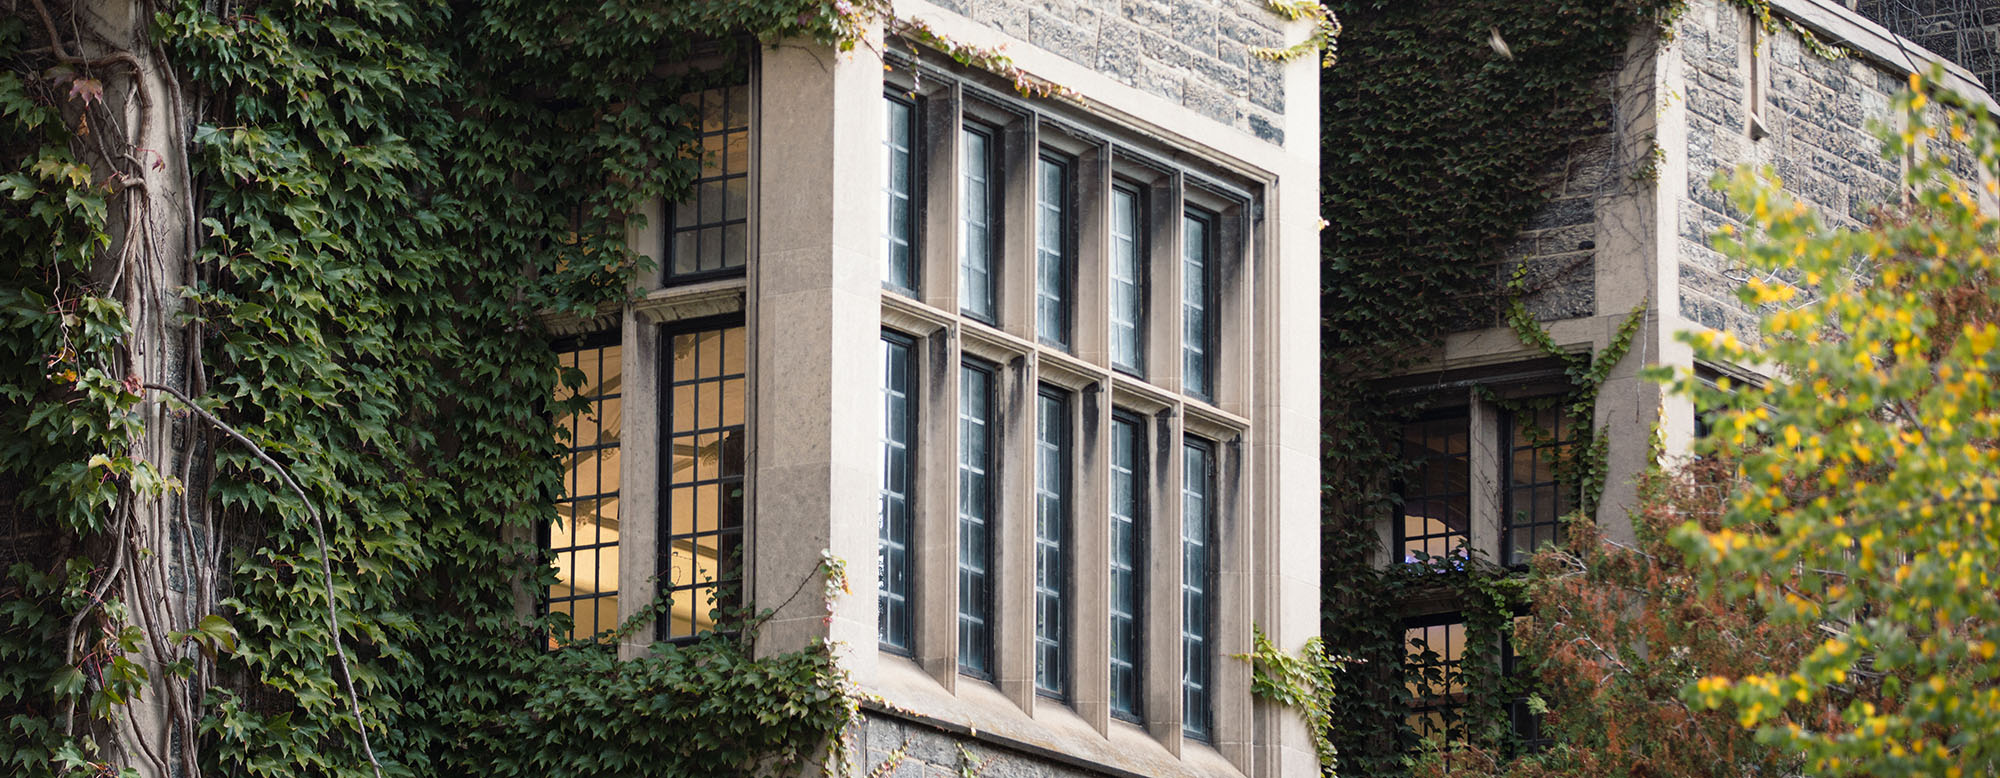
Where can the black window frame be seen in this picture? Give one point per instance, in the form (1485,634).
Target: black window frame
(1437,698)
(1064,294)
(669,252)
(1140,243)
(729,589)
(598,342)
(1054,504)
(995,222)
(1197,649)
(981,597)
(1133,566)
(892,599)
(1564,496)
(1211,242)
(1461,417)
(912,197)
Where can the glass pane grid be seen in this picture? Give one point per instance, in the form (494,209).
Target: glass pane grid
(1436,489)
(1197,533)
(899,215)
(1127,576)
(975,503)
(1052,252)
(977,227)
(893,564)
(1433,653)
(703,516)
(1536,500)
(710,228)
(583,539)
(1128,285)
(1051,518)
(1196,372)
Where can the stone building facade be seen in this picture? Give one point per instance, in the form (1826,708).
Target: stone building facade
(1627,226)
(1043,372)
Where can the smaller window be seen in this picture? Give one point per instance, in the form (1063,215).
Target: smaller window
(1055,261)
(1523,722)
(975,510)
(1536,498)
(1128,280)
(701,528)
(1197,580)
(1436,489)
(893,563)
(1434,649)
(978,222)
(1051,528)
(899,228)
(584,536)
(1197,303)
(711,227)
(1128,574)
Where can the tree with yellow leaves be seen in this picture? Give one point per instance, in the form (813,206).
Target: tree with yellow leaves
(1864,506)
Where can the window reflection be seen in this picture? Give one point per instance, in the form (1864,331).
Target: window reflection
(584,536)
(702,522)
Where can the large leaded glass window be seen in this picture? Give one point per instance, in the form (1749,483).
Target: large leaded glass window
(1536,498)
(899,229)
(1197,580)
(978,223)
(975,513)
(584,536)
(1128,510)
(1435,521)
(1051,527)
(898,424)
(1054,264)
(710,230)
(1197,290)
(702,522)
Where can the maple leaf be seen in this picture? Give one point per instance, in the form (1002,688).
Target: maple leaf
(89,89)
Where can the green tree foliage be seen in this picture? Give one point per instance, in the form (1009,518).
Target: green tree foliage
(1814,594)
(1864,504)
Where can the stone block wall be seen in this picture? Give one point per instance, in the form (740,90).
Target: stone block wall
(893,748)
(1817,114)
(1556,252)
(1193,52)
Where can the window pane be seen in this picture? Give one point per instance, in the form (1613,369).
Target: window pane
(702,524)
(1128,478)
(893,565)
(1128,285)
(1052,251)
(1196,337)
(1535,498)
(1436,488)
(1197,576)
(583,539)
(899,176)
(977,226)
(708,233)
(1051,527)
(1434,650)
(975,504)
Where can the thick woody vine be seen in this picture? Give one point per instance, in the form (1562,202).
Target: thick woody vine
(328,231)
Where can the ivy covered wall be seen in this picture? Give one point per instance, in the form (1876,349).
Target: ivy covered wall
(318,572)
